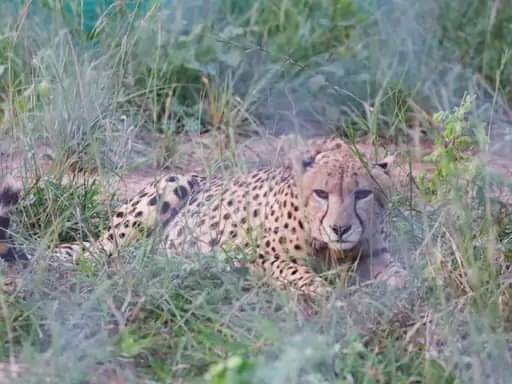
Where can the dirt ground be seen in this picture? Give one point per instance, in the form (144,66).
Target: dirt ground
(198,154)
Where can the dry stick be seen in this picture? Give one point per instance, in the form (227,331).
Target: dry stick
(460,262)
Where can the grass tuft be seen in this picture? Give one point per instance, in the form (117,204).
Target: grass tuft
(93,92)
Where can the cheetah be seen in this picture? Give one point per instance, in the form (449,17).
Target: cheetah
(323,204)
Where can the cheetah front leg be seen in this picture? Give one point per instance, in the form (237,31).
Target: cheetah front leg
(290,276)
(156,205)
(381,266)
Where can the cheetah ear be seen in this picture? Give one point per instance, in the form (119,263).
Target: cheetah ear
(387,163)
(300,161)
(318,146)
(329,144)
(303,159)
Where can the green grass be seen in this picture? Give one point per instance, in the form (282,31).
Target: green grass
(120,96)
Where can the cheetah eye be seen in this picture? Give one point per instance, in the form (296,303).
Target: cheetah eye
(321,194)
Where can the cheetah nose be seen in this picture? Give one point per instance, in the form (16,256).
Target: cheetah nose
(341,230)
(361,194)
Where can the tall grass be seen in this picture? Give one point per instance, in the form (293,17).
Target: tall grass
(106,96)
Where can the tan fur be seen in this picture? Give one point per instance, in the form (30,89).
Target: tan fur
(276,212)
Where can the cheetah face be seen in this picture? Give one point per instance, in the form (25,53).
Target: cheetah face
(341,197)
(362,215)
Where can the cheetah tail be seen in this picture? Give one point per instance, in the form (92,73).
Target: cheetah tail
(9,197)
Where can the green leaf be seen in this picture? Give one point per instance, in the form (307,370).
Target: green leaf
(131,345)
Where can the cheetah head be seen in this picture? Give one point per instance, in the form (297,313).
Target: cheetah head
(339,193)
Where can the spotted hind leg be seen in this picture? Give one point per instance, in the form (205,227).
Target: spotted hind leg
(155,205)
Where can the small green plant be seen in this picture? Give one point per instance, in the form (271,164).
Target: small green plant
(130,344)
(68,211)
(357,363)
(235,370)
(450,158)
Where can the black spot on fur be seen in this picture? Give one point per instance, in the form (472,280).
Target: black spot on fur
(165,207)
(213,242)
(171,179)
(120,214)
(4,227)
(152,201)
(174,213)
(181,192)
(139,213)
(191,183)
(9,196)
(137,224)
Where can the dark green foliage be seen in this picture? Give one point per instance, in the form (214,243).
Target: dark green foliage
(480,34)
(66,212)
